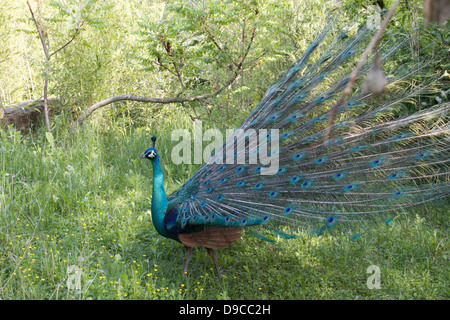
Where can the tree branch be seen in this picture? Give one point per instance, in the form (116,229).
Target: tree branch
(129,97)
(40,31)
(348,88)
(42,34)
(252,38)
(210,36)
(67,43)
(160,64)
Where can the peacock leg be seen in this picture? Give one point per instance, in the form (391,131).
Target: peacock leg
(213,256)
(188,258)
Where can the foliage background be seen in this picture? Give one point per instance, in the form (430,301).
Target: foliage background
(84,200)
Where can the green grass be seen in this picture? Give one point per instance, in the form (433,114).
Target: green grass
(85,202)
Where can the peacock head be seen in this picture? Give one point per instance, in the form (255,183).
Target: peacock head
(150,153)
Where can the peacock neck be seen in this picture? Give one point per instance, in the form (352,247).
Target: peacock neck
(159,199)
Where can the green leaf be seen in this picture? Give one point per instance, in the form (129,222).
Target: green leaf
(50,139)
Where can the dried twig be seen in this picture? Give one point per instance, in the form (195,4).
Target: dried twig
(348,88)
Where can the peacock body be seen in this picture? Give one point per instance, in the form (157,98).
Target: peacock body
(386,154)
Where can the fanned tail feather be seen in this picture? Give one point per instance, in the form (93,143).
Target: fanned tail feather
(382,160)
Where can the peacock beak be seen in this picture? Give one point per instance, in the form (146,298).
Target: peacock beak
(150,154)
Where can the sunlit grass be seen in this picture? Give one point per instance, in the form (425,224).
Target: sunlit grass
(86,202)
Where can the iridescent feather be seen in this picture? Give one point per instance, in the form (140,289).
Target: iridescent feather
(383,158)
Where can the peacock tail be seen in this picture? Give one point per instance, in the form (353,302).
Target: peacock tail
(387,153)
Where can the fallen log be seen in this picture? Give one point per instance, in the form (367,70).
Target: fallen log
(24,116)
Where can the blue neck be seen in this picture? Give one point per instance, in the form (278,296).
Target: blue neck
(159,199)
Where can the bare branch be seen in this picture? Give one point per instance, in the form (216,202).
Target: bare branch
(55,52)
(129,97)
(348,88)
(252,38)
(39,30)
(210,36)
(68,42)
(160,64)
(42,34)
(77,31)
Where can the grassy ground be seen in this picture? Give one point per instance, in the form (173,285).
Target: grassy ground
(85,202)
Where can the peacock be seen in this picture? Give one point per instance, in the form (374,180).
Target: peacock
(386,153)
